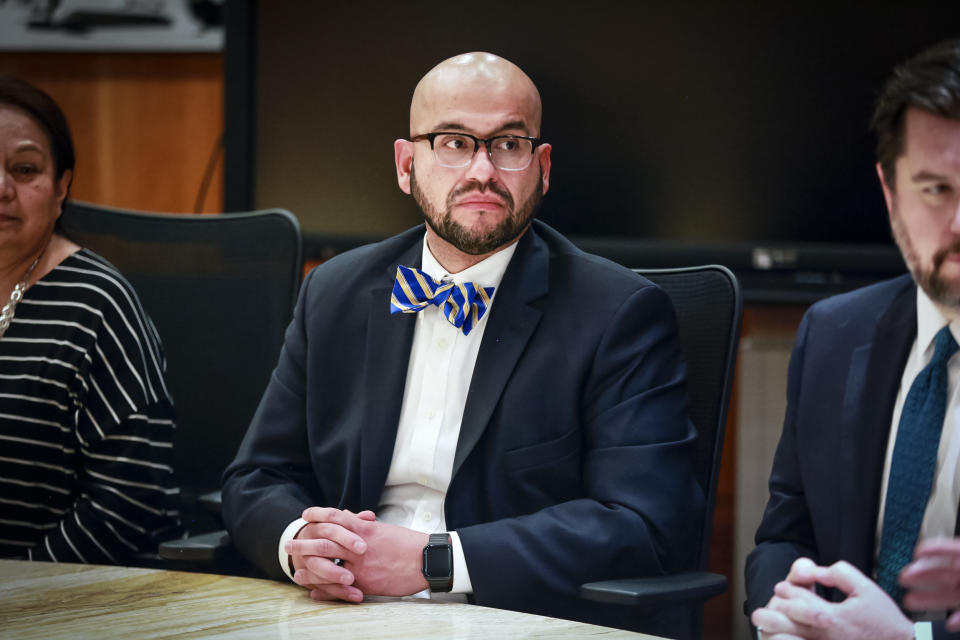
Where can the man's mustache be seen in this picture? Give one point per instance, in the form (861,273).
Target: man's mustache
(941,254)
(481,188)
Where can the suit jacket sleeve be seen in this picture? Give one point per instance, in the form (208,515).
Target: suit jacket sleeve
(639,506)
(271,481)
(940,632)
(786,530)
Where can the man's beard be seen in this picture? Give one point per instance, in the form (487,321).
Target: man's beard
(938,289)
(477,243)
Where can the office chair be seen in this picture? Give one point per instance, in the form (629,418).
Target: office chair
(220,290)
(709,309)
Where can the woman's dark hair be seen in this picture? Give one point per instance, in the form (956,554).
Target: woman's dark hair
(929,81)
(38,105)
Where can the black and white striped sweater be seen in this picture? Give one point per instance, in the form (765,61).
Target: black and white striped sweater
(86,422)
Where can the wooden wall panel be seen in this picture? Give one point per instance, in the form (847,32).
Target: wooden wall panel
(144,124)
(719,612)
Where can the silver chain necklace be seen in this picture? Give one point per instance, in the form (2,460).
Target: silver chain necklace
(6,314)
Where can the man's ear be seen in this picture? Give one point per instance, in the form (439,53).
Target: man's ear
(888,190)
(403,158)
(544,151)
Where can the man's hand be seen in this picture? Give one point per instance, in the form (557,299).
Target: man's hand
(932,580)
(802,575)
(797,612)
(329,536)
(388,564)
(393,561)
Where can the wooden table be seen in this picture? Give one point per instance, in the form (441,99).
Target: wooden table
(73,601)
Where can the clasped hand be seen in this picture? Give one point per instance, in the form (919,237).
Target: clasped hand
(375,558)
(795,611)
(932,580)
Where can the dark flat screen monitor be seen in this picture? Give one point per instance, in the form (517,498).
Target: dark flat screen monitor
(698,124)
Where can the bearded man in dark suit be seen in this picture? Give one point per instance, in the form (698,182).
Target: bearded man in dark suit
(862,517)
(474,407)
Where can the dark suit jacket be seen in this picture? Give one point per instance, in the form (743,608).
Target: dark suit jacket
(574,457)
(842,386)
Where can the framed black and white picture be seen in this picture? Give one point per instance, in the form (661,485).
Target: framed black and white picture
(111,25)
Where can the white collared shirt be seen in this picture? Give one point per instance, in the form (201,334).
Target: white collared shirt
(440,368)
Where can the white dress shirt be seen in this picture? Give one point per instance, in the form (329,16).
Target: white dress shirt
(438,379)
(940,515)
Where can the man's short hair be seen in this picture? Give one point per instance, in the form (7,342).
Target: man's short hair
(929,81)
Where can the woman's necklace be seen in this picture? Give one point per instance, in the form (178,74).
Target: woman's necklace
(6,314)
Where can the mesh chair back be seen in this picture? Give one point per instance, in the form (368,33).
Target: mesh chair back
(220,290)
(709,309)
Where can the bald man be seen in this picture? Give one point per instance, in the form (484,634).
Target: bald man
(473,408)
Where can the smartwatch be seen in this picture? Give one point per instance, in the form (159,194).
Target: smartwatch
(438,562)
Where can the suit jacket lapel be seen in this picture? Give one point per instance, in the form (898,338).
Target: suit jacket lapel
(871,392)
(385,359)
(510,325)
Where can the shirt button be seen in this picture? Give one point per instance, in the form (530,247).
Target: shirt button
(442,343)
(422,479)
(428,516)
(431,414)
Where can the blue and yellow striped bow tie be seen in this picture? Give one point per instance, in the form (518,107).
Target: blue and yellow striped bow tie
(463,304)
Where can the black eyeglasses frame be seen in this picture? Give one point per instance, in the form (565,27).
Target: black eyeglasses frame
(536,142)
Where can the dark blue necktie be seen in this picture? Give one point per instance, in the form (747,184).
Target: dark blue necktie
(911,468)
(463,304)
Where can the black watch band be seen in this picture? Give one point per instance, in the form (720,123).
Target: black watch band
(437,565)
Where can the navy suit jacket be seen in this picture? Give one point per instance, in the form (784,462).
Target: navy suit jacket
(825,484)
(574,459)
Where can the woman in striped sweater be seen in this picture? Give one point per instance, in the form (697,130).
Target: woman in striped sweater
(86,422)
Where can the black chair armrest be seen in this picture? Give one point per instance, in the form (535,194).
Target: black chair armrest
(211,502)
(208,549)
(693,587)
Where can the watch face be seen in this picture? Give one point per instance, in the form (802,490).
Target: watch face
(438,561)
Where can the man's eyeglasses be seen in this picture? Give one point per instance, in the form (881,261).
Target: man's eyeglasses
(456,150)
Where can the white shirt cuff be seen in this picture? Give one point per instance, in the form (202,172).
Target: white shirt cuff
(922,631)
(461,577)
(289,534)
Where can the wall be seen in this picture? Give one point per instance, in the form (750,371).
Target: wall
(145,125)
